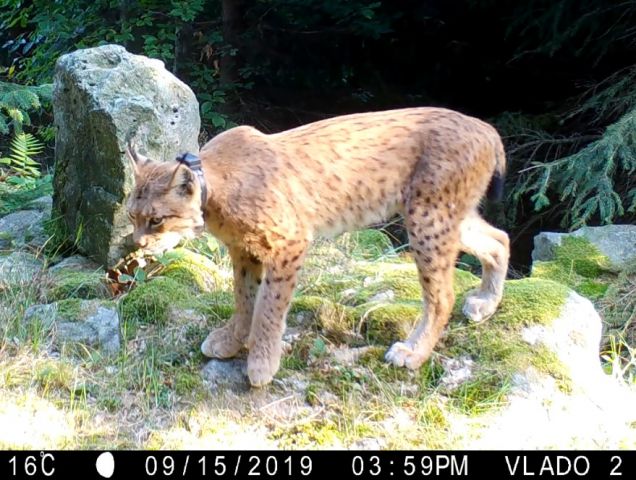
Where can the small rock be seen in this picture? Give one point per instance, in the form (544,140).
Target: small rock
(19,268)
(349,356)
(368,444)
(43,204)
(93,323)
(383,297)
(44,313)
(226,374)
(348,293)
(457,371)
(180,316)
(575,337)
(105,323)
(292,335)
(75,263)
(22,228)
(369,281)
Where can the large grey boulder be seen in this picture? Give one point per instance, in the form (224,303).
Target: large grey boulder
(103,97)
(616,242)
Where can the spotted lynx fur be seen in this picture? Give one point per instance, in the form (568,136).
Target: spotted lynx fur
(269,196)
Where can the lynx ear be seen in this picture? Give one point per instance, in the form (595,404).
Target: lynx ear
(183,180)
(136,159)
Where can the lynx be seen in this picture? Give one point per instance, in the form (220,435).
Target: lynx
(266,197)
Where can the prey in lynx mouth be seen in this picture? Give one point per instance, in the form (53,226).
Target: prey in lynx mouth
(266,197)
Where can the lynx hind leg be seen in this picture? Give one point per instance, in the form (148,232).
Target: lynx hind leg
(227,341)
(270,311)
(434,242)
(492,248)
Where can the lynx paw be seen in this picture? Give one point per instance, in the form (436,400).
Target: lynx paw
(401,355)
(262,365)
(480,306)
(221,343)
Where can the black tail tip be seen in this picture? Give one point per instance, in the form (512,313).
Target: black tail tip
(496,187)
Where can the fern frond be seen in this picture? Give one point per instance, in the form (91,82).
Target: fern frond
(24,147)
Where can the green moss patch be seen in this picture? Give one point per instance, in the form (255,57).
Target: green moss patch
(578,264)
(530,301)
(389,323)
(335,320)
(403,287)
(192,269)
(497,346)
(464,281)
(85,285)
(69,309)
(150,302)
(581,256)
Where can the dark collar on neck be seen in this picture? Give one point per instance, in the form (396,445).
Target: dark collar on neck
(193,162)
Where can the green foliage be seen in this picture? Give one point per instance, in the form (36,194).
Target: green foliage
(16,101)
(16,192)
(579,27)
(177,32)
(567,171)
(24,147)
(192,40)
(596,182)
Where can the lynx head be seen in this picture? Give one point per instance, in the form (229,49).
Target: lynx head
(165,204)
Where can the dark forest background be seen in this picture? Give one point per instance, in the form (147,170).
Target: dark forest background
(556,77)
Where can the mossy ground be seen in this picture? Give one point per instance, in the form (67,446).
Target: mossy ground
(152,395)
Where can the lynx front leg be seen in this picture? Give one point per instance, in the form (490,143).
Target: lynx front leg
(226,341)
(439,299)
(270,312)
(434,240)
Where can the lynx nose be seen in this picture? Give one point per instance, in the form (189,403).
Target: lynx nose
(141,241)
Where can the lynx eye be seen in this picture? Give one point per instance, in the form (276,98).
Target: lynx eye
(155,221)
